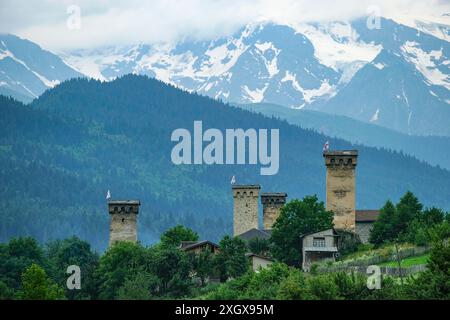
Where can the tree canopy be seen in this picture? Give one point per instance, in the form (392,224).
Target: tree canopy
(297,218)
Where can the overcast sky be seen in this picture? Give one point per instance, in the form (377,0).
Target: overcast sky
(54,25)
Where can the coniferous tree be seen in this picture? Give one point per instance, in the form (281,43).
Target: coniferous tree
(384,228)
(408,209)
(231,261)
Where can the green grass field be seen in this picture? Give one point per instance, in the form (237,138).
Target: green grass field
(408,262)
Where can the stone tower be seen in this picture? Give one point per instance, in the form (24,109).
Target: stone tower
(272,203)
(123,218)
(341,187)
(245,208)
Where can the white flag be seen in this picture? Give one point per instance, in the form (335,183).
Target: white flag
(233,180)
(326,146)
(108,195)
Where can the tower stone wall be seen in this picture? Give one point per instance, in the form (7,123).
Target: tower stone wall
(245,208)
(341,187)
(123,220)
(272,203)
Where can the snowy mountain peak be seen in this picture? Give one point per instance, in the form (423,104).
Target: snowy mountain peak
(26,70)
(391,76)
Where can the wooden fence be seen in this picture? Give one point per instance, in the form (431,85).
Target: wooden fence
(361,264)
(392,271)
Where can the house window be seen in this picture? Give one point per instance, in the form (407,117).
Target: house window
(318,242)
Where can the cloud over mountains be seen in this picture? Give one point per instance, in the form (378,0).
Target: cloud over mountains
(124,22)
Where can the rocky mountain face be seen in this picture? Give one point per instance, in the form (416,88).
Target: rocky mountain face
(396,76)
(27,70)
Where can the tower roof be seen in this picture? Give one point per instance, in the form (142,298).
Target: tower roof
(366,215)
(121,206)
(341,153)
(341,159)
(246,186)
(273,194)
(124,202)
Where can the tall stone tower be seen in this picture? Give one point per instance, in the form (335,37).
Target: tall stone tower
(341,167)
(245,208)
(123,218)
(272,203)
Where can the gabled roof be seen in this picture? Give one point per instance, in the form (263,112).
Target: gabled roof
(255,233)
(249,255)
(367,215)
(311,233)
(186,245)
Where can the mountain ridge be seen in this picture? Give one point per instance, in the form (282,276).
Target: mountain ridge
(27,70)
(435,150)
(337,67)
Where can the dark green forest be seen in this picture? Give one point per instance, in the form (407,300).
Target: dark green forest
(62,152)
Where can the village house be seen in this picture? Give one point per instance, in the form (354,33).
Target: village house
(199,246)
(258,262)
(319,246)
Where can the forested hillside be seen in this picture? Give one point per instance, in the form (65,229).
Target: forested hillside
(432,149)
(60,154)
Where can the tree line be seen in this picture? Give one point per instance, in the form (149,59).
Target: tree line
(162,271)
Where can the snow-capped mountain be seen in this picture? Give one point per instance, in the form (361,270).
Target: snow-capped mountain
(262,62)
(406,87)
(397,76)
(26,70)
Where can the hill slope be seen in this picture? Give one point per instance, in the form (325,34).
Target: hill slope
(60,154)
(434,150)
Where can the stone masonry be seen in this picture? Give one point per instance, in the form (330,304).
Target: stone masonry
(341,167)
(123,218)
(272,203)
(245,208)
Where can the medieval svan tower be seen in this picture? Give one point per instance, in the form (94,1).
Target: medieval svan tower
(272,204)
(340,186)
(245,208)
(123,218)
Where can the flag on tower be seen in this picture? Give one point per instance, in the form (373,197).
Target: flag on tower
(108,195)
(233,180)
(326,146)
